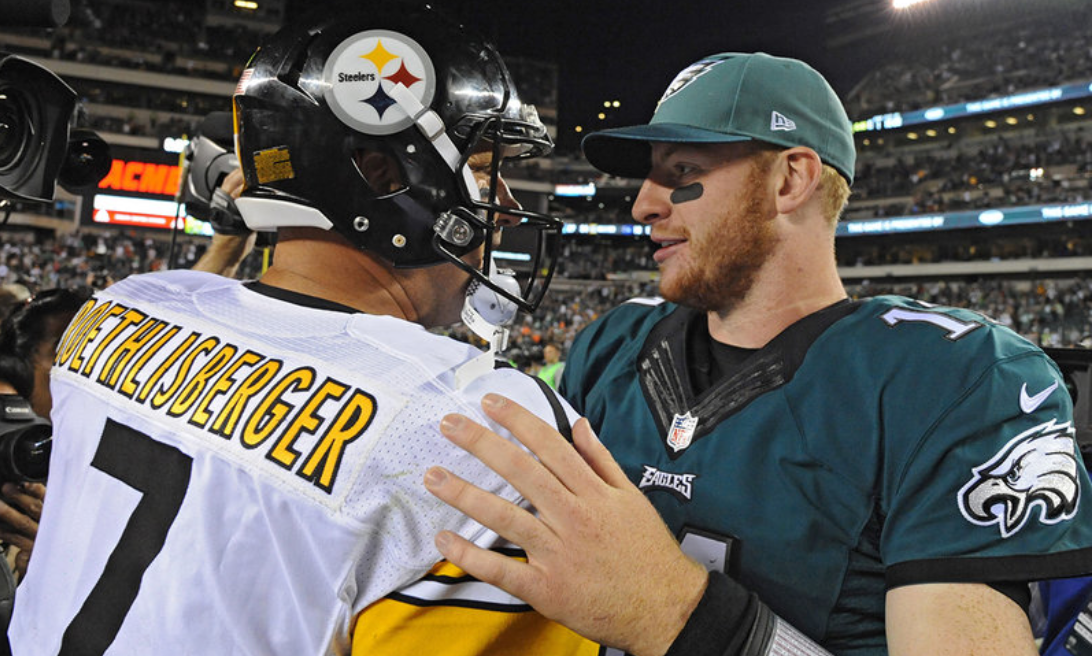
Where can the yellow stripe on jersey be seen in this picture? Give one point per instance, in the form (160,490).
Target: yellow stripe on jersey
(466,622)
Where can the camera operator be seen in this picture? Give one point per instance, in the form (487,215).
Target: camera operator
(28,340)
(20,511)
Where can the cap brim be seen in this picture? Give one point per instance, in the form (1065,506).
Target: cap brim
(625,152)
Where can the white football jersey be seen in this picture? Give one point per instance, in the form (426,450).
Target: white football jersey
(234,474)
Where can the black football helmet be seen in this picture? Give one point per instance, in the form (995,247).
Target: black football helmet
(414,86)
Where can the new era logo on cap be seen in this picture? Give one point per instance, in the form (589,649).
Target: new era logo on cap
(779,121)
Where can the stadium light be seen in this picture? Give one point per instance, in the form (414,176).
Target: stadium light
(903,4)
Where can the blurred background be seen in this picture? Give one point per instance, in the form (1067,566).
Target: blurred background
(971,121)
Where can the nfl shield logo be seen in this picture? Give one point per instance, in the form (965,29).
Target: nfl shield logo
(681,432)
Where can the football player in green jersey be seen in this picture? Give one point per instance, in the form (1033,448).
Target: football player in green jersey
(857,477)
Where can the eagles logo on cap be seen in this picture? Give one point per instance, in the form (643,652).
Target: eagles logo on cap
(686,76)
(365,67)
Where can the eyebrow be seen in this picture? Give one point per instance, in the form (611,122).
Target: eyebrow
(667,151)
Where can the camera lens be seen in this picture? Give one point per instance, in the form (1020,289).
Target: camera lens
(24,452)
(15,127)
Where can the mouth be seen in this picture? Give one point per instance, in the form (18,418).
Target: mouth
(667,248)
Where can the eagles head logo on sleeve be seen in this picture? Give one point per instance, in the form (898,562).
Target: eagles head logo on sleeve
(1035,470)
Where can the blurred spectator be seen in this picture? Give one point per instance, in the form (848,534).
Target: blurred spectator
(28,341)
(552,365)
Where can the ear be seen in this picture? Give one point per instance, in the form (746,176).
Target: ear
(379,171)
(800,170)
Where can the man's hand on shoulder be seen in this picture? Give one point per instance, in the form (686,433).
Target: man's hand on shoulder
(600,559)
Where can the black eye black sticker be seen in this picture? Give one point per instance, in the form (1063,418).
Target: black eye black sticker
(688,193)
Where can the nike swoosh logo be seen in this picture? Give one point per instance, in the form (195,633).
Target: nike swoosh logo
(1029,403)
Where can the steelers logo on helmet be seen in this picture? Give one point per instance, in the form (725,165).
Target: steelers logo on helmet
(363,69)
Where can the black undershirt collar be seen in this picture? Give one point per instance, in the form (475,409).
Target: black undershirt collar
(296,298)
(709,361)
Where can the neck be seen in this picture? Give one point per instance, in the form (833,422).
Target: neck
(798,279)
(304,262)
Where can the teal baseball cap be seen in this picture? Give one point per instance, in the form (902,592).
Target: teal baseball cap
(733,97)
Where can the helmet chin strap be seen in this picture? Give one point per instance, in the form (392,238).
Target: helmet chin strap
(486,305)
(432,126)
(485,312)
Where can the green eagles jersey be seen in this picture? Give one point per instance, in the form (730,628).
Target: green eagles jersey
(870,445)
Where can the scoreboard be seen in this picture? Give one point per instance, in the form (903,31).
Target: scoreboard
(139,192)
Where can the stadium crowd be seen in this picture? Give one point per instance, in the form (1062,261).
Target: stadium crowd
(1034,50)
(147,28)
(951,173)
(958,247)
(997,172)
(593,276)
(180,39)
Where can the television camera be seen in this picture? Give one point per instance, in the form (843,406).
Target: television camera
(40,144)
(208,159)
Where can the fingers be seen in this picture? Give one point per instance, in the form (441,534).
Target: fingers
(37,490)
(552,449)
(512,522)
(497,569)
(27,497)
(520,469)
(233,183)
(16,539)
(20,514)
(597,456)
(505,518)
(22,561)
(16,528)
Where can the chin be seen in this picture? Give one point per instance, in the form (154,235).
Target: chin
(673,287)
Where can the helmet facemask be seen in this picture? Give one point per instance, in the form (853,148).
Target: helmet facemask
(481,210)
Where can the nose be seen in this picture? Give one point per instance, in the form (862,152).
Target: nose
(652,203)
(504,198)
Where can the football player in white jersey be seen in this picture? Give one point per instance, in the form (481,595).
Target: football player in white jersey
(236,466)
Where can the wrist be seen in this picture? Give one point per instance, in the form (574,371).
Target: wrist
(673,612)
(720,622)
(729,620)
